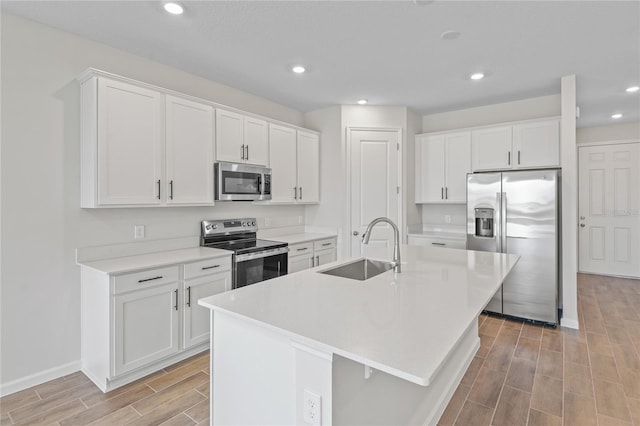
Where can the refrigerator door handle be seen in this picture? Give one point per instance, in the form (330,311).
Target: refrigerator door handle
(503,217)
(498,221)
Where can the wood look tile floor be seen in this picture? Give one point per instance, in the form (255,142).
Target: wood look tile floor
(522,375)
(530,375)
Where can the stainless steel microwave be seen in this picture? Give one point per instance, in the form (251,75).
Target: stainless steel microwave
(241,182)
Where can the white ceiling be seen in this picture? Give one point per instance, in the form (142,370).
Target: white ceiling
(388,52)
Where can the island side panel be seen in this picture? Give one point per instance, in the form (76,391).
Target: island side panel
(383,399)
(253,374)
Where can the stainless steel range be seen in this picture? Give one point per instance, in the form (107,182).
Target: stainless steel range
(253,260)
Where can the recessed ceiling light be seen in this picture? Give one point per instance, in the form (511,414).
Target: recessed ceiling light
(633,89)
(173,8)
(298,69)
(616,116)
(362,101)
(477,76)
(450,35)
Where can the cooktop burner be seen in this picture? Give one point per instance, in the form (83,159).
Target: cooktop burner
(237,235)
(246,246)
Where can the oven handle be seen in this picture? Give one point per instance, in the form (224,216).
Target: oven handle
(261,254)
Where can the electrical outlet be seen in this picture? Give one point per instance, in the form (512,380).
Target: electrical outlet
(138,232)
(312,408)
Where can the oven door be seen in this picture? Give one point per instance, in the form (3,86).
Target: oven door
(252,268)
(241,182)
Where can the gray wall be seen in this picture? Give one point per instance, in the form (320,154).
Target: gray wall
(41,221)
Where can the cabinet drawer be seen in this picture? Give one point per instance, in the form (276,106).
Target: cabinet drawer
(438,242)
(206,267)
(301,249)
(145,279)
(324,244)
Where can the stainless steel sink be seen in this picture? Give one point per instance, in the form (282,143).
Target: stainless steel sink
(361,269)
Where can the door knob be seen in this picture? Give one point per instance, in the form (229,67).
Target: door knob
(582,225)
(355,233)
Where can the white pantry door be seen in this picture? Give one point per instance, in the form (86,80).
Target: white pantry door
(609,209)
(373,169)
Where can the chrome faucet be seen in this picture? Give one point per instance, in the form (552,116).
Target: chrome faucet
(396,239)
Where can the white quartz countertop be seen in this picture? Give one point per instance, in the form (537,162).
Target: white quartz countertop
(405,324)
(300,238)
(125,264)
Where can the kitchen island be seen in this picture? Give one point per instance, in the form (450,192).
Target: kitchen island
(312,348)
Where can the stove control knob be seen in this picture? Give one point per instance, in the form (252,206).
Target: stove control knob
(208,227)
(214,226)
(253,223)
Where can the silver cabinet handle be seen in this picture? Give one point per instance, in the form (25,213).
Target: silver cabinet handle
(150,279)
(317,260)
(158,188)
(313,262)
(171,190)
(247,156)
(582,225)
(242,152)
(189,296)
(301,193)
(295,192)
(518,156)
(302,249)
(176,305)
(446,193)
(438,244)
(326,244)
(441,193)
(210,267)
(509,158)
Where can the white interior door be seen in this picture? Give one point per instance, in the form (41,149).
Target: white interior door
(373,170)
(609,232)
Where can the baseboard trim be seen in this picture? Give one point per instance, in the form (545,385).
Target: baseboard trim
(569,323)
(38,378)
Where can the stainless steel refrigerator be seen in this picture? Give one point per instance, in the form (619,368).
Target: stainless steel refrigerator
(519,212)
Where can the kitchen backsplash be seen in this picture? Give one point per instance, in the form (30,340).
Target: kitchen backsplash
(444,214)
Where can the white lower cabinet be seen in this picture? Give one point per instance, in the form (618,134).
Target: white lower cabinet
(145,327)
(139,322)
(196,317)
(311,254)
(300,257)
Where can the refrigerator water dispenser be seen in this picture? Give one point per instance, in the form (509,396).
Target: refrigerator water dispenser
(484,223)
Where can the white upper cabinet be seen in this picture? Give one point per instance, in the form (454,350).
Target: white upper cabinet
(442,164)
(256,139)
(127,140)
(189,152)
(282,152)
(491,148)
(308,164)
(146,146)
(537,144)
(295,165)
(134,155)
(526,145)
(241,139)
